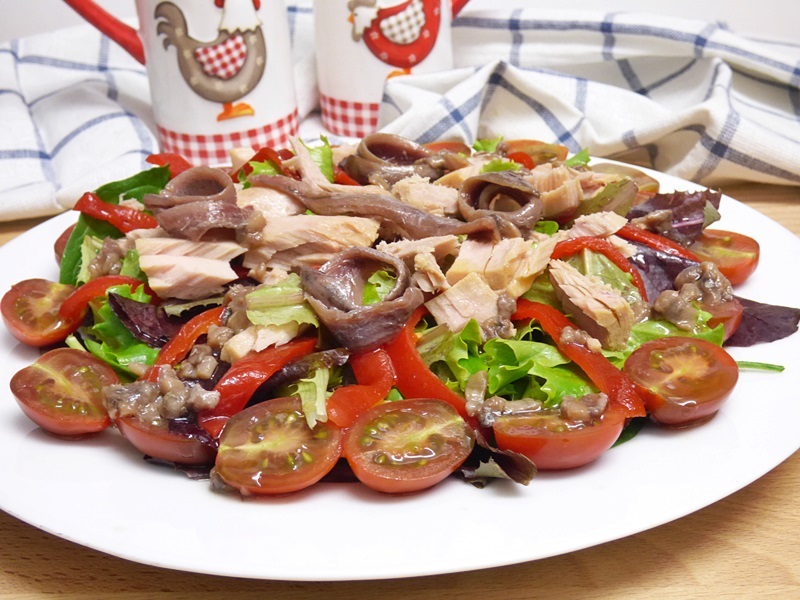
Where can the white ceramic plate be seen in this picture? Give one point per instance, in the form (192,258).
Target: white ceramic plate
(101,494)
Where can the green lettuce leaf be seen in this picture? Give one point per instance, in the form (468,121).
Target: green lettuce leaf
(486,145)
(581,159)
(322,155)
(378,286)
(313,393)
(280,304)
(500,164)
(149,181)
(108,339)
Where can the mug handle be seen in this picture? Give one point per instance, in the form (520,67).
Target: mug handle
(457,5)
(124,35)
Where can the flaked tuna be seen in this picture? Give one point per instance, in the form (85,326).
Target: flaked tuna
(283,240)
(185,269)
(597,308)
(508,266)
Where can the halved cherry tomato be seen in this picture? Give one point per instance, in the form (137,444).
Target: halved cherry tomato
(124,218)
(62,392)
(683,380)
(61,243)
(269,448)
(553,442)
(159,442)
(74,307)
(375,375)
(243,378)
(736,255)
(452,146)
(569,247)
(610,380)
(408,445)
(177,164)
(728,314)
(539,152)
(31,312)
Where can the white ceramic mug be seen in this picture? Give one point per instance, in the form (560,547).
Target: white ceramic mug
(220,71)
(360,43)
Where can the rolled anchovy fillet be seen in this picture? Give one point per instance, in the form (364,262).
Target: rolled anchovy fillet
(336,290)
(504,196)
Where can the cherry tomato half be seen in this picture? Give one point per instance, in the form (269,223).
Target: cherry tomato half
(736,255)
(269,448)
(408,445)
(62,392)
(159,442)
(728,314)
(553,442)
(31,312)
(683,380)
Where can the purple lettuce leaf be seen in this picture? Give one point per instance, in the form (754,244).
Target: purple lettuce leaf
(148,323)
(763,323)
(689,213)
(658,269)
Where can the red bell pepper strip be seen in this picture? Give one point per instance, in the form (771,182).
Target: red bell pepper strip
(523,159)
(610,380)
(656,241)
(245,376)
(176,163)
(375,375)
(176,349)
(414,378)
(123,218)
(342,178)
(569,247)
(276,157)
(76,304)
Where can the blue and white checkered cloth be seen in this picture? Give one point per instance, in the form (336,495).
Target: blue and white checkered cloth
(690,98)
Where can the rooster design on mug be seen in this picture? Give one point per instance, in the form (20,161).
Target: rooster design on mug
(400,33)
(227,68)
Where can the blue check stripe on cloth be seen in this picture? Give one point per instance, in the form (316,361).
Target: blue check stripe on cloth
(74,114)
(687,97)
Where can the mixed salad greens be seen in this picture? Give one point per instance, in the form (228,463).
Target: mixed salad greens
(387,312)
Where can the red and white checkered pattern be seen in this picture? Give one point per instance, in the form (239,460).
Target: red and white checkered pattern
(404,27)
(350,119)
(224,60)
(213,149)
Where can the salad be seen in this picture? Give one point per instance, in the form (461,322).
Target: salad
(386,312)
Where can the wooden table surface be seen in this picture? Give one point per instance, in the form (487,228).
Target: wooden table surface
(745,546)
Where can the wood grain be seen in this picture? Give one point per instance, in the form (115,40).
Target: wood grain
(744,546)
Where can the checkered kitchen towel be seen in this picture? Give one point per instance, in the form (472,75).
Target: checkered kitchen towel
(75,113)
(687,97)
(693,98)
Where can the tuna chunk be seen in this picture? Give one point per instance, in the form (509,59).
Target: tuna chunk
(256,338)
(269,202)
(601,224)
(298,236)
(419,192)
(185,269)
(424,257)
(596,307)
(470,298)
(509,265)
